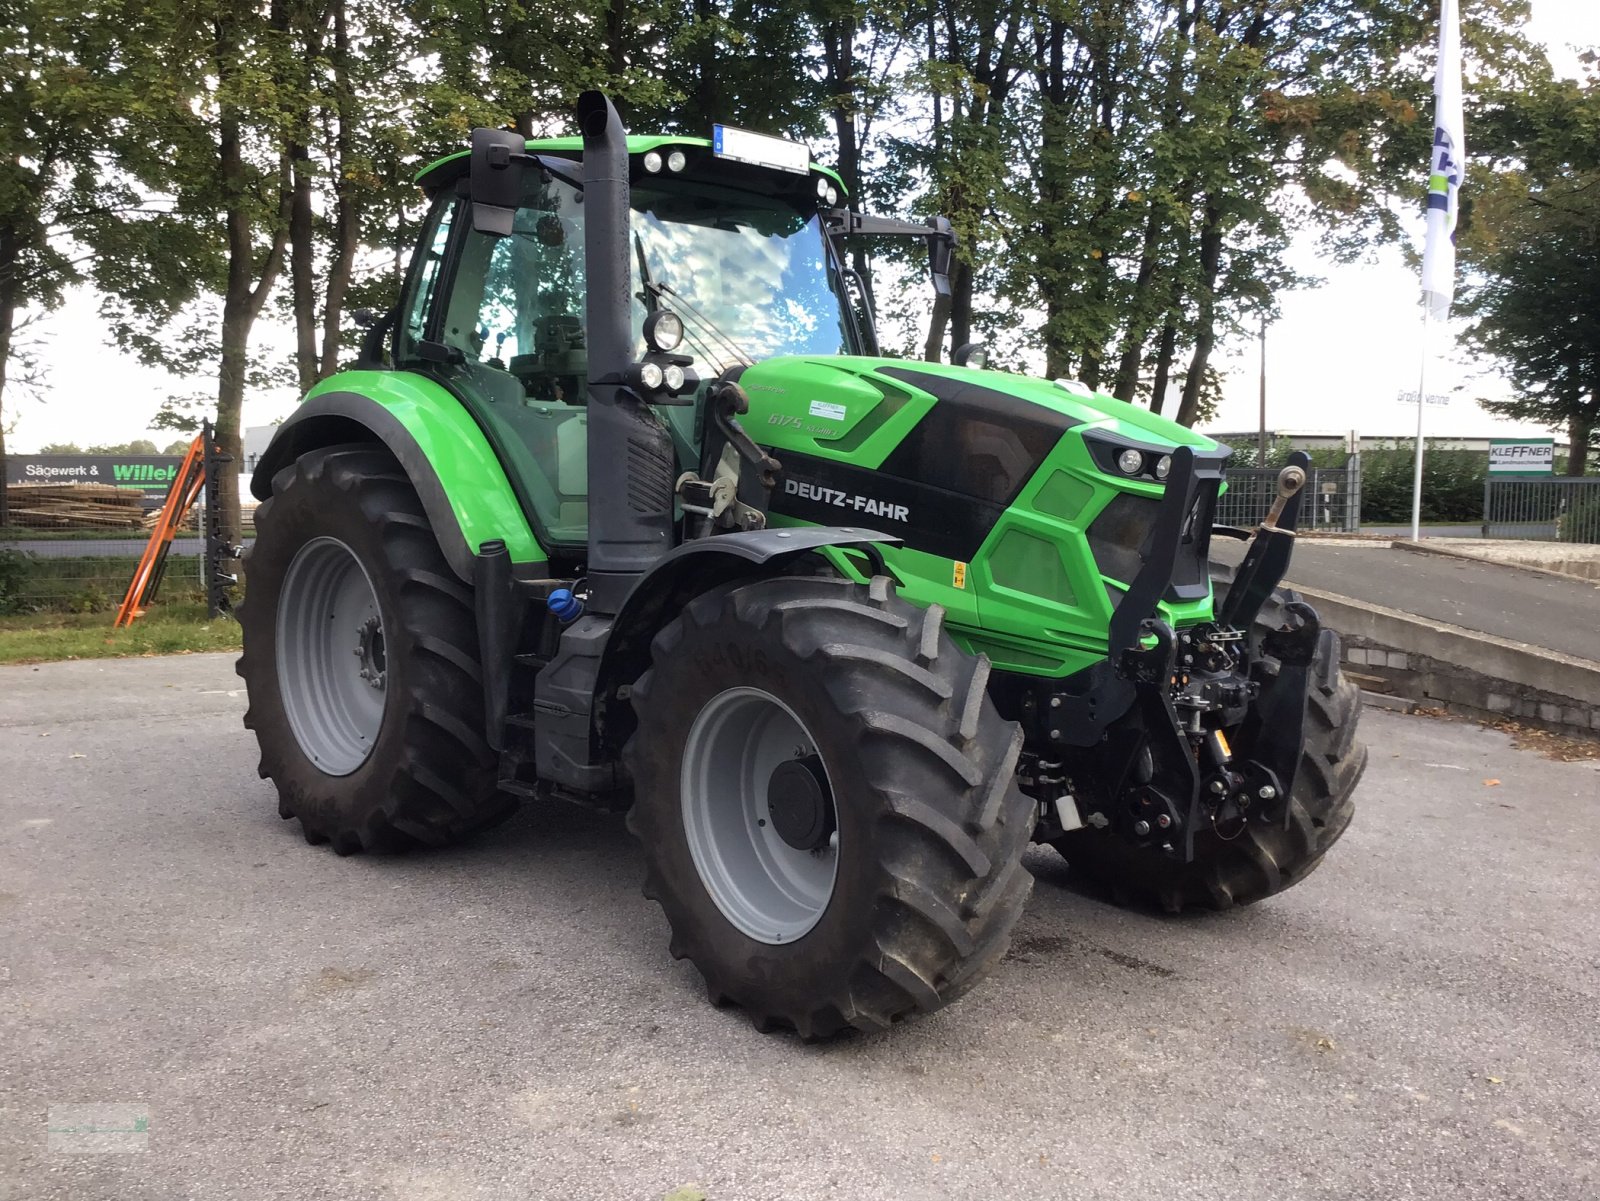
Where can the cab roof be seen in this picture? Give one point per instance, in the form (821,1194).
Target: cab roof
(445,171)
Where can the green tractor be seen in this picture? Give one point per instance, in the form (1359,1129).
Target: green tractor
(621,505)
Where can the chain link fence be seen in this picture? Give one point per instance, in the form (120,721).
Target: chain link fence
(72,548)
(1553,509)
(1331,501)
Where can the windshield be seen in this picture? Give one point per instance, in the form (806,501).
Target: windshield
(738,269)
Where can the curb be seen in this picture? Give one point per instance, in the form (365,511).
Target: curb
(1480,672)
(1420,548)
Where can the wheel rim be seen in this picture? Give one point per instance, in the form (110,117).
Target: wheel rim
(332,659)
(759,814)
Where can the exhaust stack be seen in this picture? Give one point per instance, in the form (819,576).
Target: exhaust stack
(630,455)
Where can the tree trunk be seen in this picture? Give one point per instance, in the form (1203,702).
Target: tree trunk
(961,285)
(347,216)
(1056,363)
(247,290)
(1166,349)
(8,325)
(302,269)
(1579,431)
(1205,319)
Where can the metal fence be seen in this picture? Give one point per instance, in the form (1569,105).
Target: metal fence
(1332,498)
(1552,509)
(72,548)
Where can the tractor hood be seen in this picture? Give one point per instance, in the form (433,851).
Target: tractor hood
(845,398)
(936,453)
(1020,492)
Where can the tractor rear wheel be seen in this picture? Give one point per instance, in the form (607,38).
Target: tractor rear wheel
(1264,858)
(361,661)
(827,803)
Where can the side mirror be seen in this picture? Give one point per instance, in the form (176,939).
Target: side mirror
(940,246)
(494,181)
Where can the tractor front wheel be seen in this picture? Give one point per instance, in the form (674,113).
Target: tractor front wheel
(361,661)
(1263,858)
(827,804)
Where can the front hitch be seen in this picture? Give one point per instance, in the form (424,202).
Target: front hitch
(1267,560)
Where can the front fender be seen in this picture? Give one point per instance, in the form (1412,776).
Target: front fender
(464,489)
(686,571)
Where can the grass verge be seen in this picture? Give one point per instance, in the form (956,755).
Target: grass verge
(175,629)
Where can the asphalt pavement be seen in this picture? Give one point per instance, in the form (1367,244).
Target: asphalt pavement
(502,1021)
(1538,608)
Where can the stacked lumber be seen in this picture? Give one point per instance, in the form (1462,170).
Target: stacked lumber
(76,507)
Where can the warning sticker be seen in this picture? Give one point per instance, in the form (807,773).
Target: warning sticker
(823,408)
(958,575)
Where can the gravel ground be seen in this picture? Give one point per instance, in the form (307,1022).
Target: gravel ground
(502,1021)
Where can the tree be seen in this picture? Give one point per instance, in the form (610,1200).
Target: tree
(215,103)
(1532,246)
(58,100)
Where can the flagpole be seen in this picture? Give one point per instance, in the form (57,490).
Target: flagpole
(1422,399)
(1447,170)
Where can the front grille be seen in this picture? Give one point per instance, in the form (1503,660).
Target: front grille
(1120,537)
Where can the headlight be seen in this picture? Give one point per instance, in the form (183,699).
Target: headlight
(663,330)
(832,196)
(1130,462)
(651,376)
(822,188)
(673,377)
(676,161)
(652,163)
(1163,465)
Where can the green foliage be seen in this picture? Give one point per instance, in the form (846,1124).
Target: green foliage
(13,581)
(1581,522)
(1533,243)
(1278,452)
(86,583)
(1452,485)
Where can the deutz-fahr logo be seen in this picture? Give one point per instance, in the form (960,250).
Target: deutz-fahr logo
(847,500)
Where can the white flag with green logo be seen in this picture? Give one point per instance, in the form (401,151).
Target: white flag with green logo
(1449,168)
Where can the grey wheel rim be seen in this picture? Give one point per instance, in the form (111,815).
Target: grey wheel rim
(332,660)
(771,890)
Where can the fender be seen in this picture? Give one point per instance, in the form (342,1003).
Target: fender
(693,567)
(464,489)
(684,573)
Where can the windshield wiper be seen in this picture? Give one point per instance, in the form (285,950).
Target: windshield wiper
(654,290)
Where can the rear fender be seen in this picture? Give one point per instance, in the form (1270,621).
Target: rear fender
(463,487)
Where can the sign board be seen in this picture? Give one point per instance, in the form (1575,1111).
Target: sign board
(151,474)
(1522,456)
(1434,398)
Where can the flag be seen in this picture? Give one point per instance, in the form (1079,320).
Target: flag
(1448,168)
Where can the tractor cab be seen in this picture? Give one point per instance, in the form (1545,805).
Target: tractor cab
(728,235)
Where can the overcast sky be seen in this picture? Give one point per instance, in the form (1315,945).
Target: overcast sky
(1335,360)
